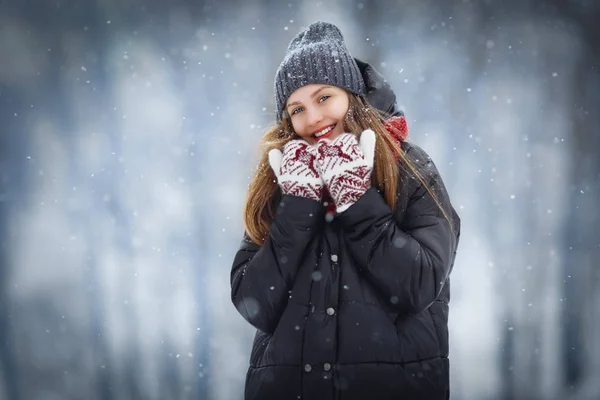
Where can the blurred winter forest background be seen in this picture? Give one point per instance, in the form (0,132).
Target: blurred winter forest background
(129,130)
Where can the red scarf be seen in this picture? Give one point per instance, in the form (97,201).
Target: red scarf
(397,127)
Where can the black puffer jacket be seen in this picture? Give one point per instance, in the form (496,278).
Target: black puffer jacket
(354,308)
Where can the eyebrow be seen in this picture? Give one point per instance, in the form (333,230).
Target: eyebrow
(312,95)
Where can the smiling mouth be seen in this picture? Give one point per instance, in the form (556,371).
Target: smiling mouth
(324,132)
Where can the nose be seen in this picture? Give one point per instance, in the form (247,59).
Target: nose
(315,116)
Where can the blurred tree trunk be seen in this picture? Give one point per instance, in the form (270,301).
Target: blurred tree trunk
(506,251)
(581,276)
(103,364)
(63,97)
(12,170)
(581,310)
(51,22)
(15,109)
(370,18)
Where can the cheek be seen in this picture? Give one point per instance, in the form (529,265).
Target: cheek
(296,126)
(340,110)
(300,130)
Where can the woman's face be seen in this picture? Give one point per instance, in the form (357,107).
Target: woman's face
(317,111)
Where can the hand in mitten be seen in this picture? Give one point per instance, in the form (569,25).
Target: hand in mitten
(296,170)
(346,166)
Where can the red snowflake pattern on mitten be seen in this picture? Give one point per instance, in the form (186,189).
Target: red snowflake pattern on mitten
(346,166)
(296,170)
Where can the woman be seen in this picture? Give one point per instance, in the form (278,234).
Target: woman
(350,240)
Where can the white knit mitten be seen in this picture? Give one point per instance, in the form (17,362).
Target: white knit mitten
(296,170)
(346,165)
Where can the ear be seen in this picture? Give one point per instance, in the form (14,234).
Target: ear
(367,146)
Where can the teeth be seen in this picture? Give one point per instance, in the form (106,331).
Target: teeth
(324,131)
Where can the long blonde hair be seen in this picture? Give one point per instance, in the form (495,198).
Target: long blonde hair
(390,161)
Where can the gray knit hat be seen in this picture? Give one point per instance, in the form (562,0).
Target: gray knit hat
(316,55)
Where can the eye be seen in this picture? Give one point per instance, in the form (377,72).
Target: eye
(323,98)
(296,110)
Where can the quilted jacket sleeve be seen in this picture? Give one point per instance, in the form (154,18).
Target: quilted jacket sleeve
(262,276)
(408,264)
